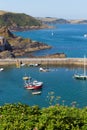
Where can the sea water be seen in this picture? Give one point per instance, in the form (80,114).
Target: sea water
(58,81)
(64,38)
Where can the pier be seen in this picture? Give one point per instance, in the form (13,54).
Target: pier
(46,61)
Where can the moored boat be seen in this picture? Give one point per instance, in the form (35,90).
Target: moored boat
(82,76)
(35,82)
(1,69)
(26,78)
(43,69)
(35,93)
(32,86)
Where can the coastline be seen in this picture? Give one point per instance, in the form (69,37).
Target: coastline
(72,62)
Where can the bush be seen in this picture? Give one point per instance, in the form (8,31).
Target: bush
(24,117)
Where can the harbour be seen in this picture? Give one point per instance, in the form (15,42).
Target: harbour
(46,61)
(43,65)
(59,80)
(60,77)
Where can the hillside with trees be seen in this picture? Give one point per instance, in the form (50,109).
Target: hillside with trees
(17,20)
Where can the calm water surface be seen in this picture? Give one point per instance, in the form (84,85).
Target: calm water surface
(58,80)
(67,38)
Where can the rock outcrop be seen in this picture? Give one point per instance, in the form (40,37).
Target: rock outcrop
(4,31)
(56,55)
(18,45)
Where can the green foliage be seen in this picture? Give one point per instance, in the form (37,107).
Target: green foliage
(10,19)
(24,117)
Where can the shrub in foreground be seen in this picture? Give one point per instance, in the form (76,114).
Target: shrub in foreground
(24,117)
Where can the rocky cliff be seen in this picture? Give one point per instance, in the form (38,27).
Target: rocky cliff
(56,55)
(18,46)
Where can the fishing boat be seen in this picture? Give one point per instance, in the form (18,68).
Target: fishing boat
(32,85)
(82,76)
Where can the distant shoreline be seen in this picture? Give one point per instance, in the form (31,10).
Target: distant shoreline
(74,62)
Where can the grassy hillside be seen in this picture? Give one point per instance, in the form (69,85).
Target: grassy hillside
(50,20)
(17,19)
(2,12)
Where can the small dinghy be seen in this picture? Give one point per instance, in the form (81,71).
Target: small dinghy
(35,93)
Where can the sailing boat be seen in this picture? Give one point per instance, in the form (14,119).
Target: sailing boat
(82,76)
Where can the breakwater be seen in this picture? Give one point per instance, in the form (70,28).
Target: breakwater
(46,61)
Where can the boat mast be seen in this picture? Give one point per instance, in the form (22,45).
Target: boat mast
(84,66)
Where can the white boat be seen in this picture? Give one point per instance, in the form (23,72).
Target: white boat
(1,69)
(23,64)
(35,93)
(85,35)
(43,69)
(35,82)
(81,76)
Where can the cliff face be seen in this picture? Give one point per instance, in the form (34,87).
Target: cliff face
(4,31)
(4,44)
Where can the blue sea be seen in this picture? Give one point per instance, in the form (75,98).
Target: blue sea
(59,81)
(64,38)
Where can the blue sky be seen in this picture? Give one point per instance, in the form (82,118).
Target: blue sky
(69,9)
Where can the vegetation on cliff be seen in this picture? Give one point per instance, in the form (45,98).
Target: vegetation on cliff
(24,117)
(20,21)
(17,20)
